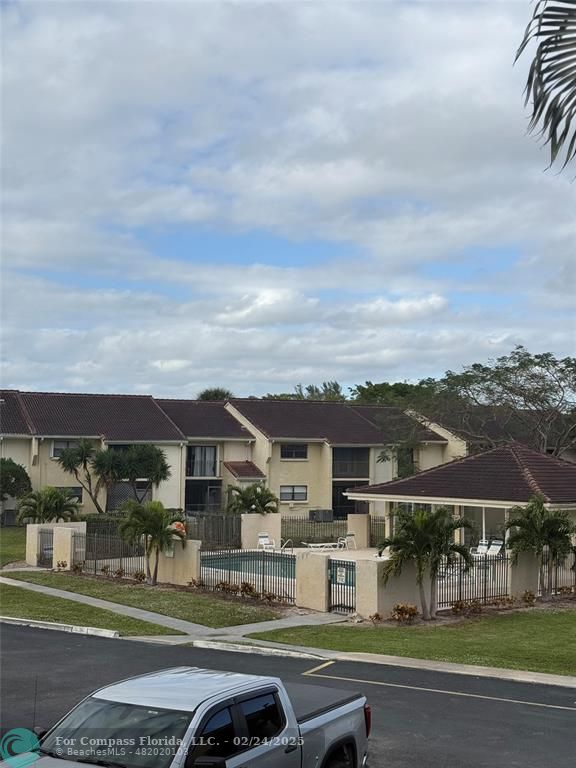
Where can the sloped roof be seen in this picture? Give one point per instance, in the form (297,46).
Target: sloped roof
(114,417)
(244,470)
(338,423)
(509,473)
(13,418)
(199,418)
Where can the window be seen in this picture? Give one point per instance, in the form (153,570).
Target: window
(61,445)
(201,461)
(264,717)
(293,492)
(217,737)
(293,451)
(75,493)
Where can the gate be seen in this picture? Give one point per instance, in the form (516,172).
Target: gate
(45,547)
(342,575)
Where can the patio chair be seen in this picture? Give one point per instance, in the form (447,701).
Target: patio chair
(481,549)
(495,548)
(347,542)
(320,546)
(266,543)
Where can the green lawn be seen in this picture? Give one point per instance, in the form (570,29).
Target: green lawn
(24,604)
(12,545)
(209,610)
(540,641)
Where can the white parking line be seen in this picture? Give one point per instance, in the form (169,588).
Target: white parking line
(314,673)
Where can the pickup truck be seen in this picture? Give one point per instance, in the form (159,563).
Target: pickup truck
(188,717)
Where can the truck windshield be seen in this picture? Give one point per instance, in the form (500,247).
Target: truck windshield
(117,734)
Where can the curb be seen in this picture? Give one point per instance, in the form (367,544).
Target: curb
(261,650)
(73,628)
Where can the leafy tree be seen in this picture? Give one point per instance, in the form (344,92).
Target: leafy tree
(551,84)
(400,394)
(156,526)
(426,539)
(145,464)
(215,394)
(252,498)
(328,390)
(48,505)
(14,480)
(79,462)
(546,533)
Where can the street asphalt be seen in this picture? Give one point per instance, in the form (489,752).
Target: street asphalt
(422,719)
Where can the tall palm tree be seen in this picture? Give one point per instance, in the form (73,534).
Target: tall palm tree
(49,505)
(545,532)
(78,461)
(145,462)
(252,498)
(155,524)
(426,539)
(551,84)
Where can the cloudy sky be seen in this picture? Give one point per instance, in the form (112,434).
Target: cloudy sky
(256,194)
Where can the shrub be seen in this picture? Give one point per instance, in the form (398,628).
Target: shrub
(405,613)
(119,573)
(247,589)
(565,591)
(78,567)
(140,576)
(196,583)
(269,597)
(375,618)
(61,565)
(105,570)
(529,598)
(466,607)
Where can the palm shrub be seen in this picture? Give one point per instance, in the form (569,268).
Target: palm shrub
(154,524)
(545,532)
(48,505)
(425,539)
(255,498)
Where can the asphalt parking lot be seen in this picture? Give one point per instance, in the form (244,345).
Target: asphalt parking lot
(421,719)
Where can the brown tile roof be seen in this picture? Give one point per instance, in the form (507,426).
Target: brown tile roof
(198,418)
(115,417)
(13,417)
(509,473)
(244,469)
(336,422)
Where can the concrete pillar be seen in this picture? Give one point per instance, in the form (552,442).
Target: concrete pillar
(523,575)
(253,524)
(32,544)
(63,545)
(180,565)
(369,587)
(312,586)
(402,589)
(359,525)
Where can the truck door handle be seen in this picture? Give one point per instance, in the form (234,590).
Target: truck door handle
(290,748)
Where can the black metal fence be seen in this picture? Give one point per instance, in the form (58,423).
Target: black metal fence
(301,530)
(485,581)
(377,530)
(563,575)
(101,553)
(215,531)
(342,577)
(45,548)
(250,572)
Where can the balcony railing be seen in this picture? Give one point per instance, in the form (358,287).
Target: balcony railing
(359,469)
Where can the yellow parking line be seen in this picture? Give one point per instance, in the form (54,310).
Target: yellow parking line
(313,673)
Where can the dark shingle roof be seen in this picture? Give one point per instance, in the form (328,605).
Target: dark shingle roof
(115,417)
(199,418)
(336,422)
(244,469)
(509,473)
(13,419)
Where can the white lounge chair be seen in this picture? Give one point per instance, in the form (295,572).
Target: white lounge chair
(344,542)
(495,548)
(481,549)
(348,541)
(266,543)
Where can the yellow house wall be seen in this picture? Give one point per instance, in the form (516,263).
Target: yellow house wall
(171,492)
(430,455)
(17,448)
(315,472)
(47,471)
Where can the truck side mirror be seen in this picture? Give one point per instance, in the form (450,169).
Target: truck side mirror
(209,762)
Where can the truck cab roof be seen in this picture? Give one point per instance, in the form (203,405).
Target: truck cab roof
(181,688)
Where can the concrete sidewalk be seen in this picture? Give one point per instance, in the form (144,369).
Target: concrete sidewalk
(190,629)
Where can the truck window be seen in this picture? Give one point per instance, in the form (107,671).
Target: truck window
(216,739)
(264,717)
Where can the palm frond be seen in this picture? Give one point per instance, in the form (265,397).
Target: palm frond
(551,83)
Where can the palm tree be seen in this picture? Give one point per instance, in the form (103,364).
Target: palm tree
(155,524)
(215,394)
(78,461)
(252,498)
(545,532)
(551,84)
(145,462)
(426,539)
(49,505)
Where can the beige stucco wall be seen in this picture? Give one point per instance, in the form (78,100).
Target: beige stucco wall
(32,541)
(253,524)
(261,448)
(17,449)
(430,455)
(315,472)
(182,566)
(312,585)
(171,492)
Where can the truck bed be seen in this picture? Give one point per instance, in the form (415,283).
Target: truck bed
(311,701)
